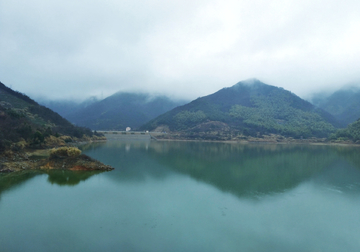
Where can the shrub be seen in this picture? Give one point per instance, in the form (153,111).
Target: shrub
(38,137)
(65,152)
(68,140)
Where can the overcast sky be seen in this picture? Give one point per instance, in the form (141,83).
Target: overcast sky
(187,48)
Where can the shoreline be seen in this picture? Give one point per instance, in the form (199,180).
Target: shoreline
(39,159)
(314,141)
(272,139)
(42,159)
(257,142)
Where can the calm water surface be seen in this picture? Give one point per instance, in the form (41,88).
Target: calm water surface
(178,196)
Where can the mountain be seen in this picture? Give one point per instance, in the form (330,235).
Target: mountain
(122,110)
(343,104)
(24,120)
(351,132)
(248,108)
(66,107)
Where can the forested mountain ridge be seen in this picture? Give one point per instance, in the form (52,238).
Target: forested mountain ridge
(249,108)
(66,107)
(24,120)
(122,110)
(344,104)
(350,133)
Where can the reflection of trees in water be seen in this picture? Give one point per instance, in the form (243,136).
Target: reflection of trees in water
(69,178)
(12,180)
(243,169)
(91,146)
(60,177)
(344,173)
(246,169)
(351,154)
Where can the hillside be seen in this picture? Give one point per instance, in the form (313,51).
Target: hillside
(343,104)
(66,107)
(350,133)
(122,110)
(24,120)
(248,108)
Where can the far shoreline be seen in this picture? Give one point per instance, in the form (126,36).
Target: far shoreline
(259,142)
(167,137)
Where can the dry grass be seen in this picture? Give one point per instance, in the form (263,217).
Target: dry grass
(65,152)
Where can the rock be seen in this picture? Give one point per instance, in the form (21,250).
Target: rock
(5,171)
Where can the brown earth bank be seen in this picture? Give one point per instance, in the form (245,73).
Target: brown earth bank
(64,158)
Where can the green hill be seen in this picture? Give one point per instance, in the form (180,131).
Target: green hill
(248,108)
(122,110)
(23,119)
(351,132)
(343,104)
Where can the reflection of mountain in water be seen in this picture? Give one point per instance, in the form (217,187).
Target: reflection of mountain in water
(129,158)
(341,176)
(350,154)
(244,170)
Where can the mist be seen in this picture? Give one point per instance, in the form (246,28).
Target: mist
(182,49)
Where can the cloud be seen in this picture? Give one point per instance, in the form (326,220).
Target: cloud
(62,49)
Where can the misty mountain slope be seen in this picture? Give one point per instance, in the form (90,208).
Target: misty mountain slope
(343,104)
(66,107)
(250,108)
(21,118)
(122,110)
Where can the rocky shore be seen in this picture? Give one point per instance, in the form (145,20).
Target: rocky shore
(49,160)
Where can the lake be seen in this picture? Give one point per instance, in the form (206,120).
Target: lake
(189,196)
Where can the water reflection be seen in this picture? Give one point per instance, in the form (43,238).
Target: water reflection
(12,180)
(246,170)
(130,159)
(173,196)
(249,170)
(341,176)
(59,177)
(69,178)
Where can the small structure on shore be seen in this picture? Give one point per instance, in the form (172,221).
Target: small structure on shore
(127,129)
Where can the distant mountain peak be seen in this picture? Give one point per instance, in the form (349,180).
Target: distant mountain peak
(123,109)
(250,107)
(251,81)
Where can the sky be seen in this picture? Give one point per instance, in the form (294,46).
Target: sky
(66,49)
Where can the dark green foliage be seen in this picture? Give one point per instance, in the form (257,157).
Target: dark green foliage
(23,119)
(351,132)
(38,138)
(14,114)
(122,110)
(251,108)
